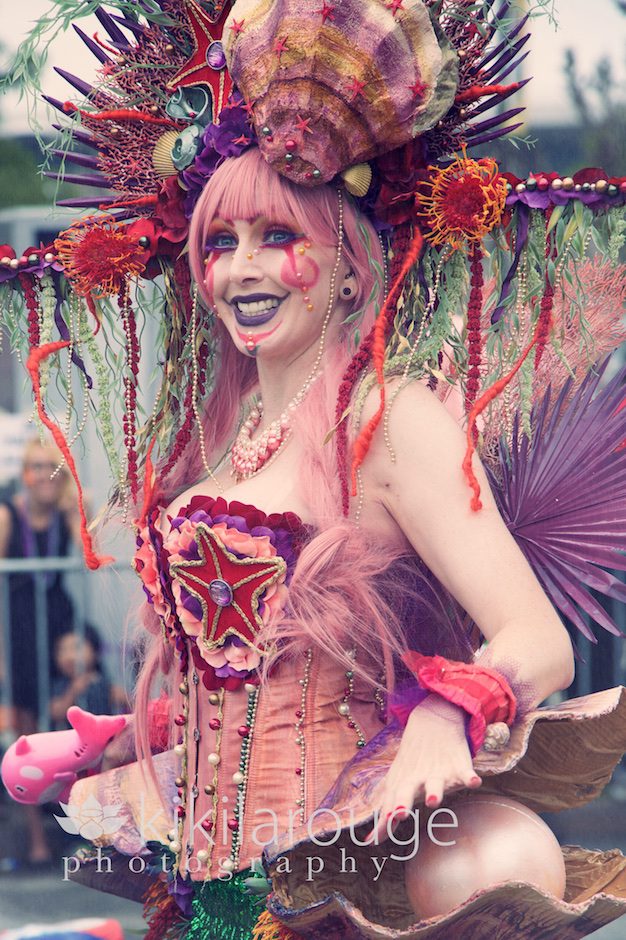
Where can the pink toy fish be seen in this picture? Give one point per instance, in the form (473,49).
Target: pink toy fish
(39,768)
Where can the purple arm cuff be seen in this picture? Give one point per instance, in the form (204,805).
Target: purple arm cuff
(404,700)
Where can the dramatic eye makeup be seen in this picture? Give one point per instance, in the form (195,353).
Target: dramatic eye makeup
(276,236)
(220,239)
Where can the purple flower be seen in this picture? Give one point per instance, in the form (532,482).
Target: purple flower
(229,138)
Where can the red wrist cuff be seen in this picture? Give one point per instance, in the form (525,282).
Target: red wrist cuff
(483,693)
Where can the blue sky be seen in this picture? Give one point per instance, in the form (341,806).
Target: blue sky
(593,28)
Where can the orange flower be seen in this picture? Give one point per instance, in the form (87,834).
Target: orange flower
(99,256)
(462,202)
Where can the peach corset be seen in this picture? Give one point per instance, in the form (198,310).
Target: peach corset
(255,762)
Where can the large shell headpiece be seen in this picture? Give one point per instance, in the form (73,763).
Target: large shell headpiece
(331,85)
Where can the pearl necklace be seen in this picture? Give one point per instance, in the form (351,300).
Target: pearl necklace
(247,457)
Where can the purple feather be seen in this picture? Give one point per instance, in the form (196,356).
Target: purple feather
(93,46)
(78,179)
(563,495)
(81,86)
(131,25)
(494,121)
(116,34)
(504,59)
(86,202)
(84,137)
(512,66)
(493,135)
(504,44)
(80,159)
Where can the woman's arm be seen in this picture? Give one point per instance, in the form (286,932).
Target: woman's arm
(475,557)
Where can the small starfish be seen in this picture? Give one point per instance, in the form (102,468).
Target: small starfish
(395,5)
(418,88)
(237,26)
(243,140)
(356,87)
(280,46)
(327,12)
(302,124)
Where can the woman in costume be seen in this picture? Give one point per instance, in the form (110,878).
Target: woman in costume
(291,632)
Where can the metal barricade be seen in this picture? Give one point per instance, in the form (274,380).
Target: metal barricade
(39,571)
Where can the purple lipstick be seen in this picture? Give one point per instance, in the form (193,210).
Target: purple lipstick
(255,309)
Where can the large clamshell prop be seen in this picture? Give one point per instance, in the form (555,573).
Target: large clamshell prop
(334,85)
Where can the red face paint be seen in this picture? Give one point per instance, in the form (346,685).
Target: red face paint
(257,336)
(208,274)
(307,268)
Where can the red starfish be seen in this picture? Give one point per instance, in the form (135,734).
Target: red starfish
(280,46)
(302,124)
(237,26)
(395,5)
(228,588)
(356,87)
(242,140)
(196,71)
(326,12)
(418,88)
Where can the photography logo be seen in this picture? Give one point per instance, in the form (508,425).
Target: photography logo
(90,820)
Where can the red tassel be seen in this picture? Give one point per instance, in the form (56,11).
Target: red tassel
(362,443)
(122,114)
(33,363)
(485,399)
(481,91)
(148,484)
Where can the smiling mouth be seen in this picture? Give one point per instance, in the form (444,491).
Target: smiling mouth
(255,309)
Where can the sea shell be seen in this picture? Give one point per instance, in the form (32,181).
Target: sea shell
(162,154)
(358,179)
(336,84)
(497,736)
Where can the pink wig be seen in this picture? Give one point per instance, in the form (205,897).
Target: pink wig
(337,599)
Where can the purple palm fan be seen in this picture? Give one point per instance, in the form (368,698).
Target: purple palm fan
(563,495)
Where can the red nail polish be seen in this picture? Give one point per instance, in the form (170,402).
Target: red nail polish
(431,801)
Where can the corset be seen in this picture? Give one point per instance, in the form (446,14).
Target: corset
(256,756)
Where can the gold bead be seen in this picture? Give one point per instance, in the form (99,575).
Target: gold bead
(214,698)
(300,251)
(310,308)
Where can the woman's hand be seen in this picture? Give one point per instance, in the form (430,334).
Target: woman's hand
(433,758)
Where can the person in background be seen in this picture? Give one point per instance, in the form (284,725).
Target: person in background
(39,521)
(81,678)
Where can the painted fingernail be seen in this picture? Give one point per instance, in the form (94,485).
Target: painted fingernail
(474,781)
(431,801)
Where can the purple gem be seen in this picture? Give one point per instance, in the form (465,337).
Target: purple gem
(221,593)
(215,56)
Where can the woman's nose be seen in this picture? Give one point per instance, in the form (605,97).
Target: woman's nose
(245,263)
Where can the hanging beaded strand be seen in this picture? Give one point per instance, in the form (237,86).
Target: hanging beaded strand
(194,392)
(248,457)
(300,739)
(240,777)
(216,723)
(344,707)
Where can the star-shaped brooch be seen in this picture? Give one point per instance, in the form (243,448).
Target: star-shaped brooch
(207,65)
(228,589)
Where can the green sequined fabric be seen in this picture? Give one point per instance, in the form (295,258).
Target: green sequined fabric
(223,910)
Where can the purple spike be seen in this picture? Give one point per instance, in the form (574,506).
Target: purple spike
(112,29)
(485,138)
(86,202)
(81,159)
(56,104)
(504,44)
(506,57)
(84,137)
(512,66)
(494,121)
(495,100)
(93,47)
(83,87)
(79,179)
(135,28)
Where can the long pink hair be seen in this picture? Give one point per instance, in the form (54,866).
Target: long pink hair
(348,592)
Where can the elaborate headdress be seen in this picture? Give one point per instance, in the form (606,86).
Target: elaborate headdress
(386,98)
